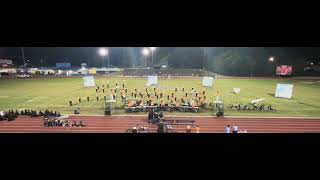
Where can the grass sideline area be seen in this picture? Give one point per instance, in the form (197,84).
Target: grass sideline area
(54,94)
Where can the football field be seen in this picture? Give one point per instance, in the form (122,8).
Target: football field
(55,93)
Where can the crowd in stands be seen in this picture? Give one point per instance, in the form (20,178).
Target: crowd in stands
(163,72)
(12,115)
(61,122)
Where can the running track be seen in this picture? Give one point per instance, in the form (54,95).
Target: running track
(100,124)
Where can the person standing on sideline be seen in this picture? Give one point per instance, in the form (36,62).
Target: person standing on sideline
(188,130)
(79,99)
(88,99)
(197,129)
(70,102)
(228,129)
(235,129)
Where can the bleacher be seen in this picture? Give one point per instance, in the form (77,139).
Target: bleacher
(163,72)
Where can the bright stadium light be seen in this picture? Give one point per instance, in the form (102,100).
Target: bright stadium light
(145,51)
(271,59)
(103,52)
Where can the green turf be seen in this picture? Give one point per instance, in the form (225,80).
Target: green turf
(54,94)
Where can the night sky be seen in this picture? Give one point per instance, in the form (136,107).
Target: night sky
(89,55)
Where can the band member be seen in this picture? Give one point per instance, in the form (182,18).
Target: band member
(126,90)
(97,98)
(105,98)
(202,102)
(123,97)
(103,90)
(161,102)
(177,104)
(141,104)
(130,103)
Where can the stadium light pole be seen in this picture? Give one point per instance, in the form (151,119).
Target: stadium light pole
(104,52)
(271,60)
(145,53)
(152,51)
(24,62)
